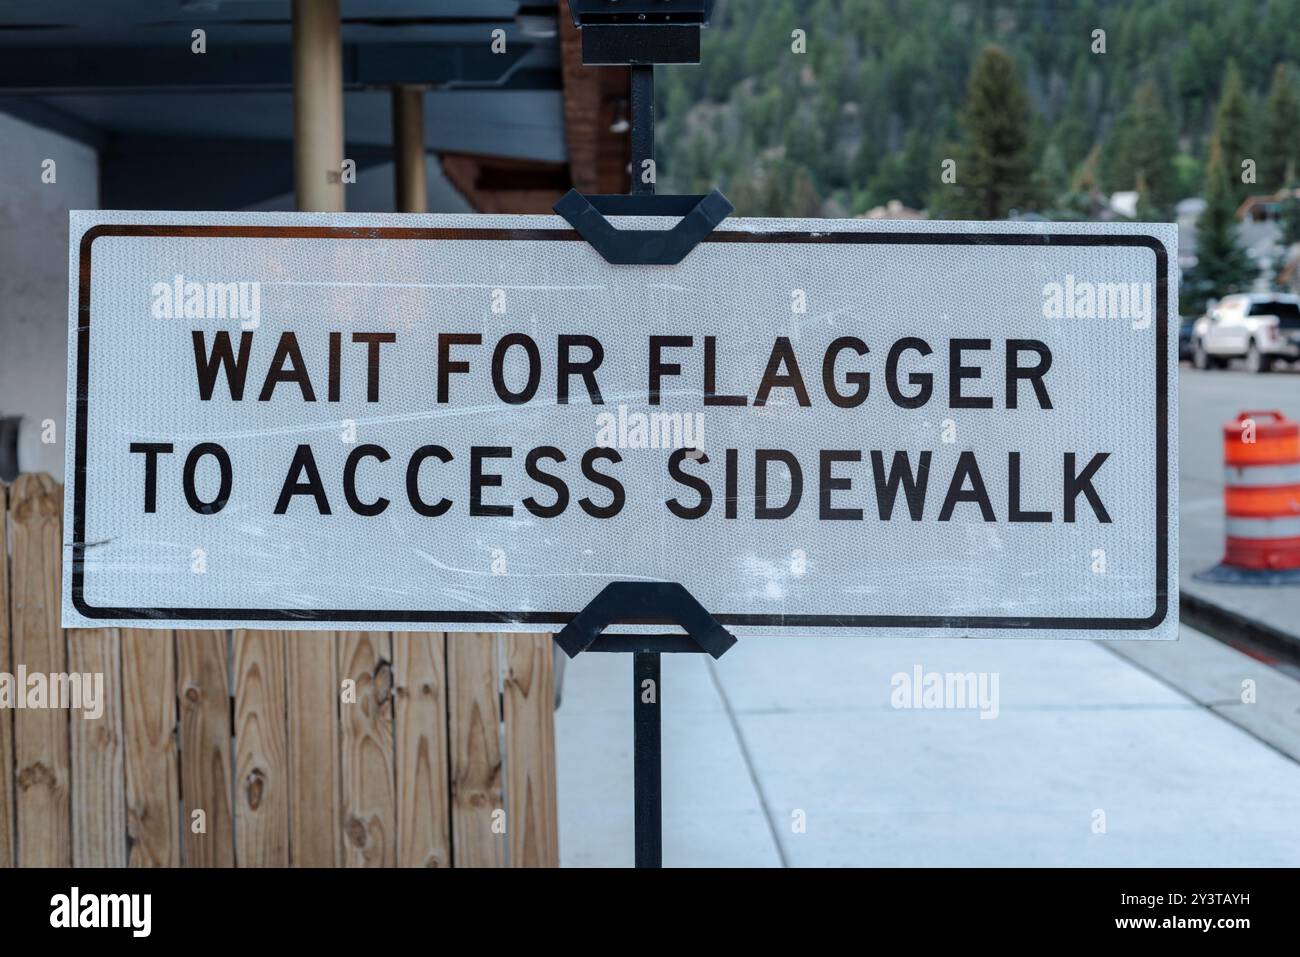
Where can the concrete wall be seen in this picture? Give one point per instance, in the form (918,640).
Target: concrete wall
(34,280)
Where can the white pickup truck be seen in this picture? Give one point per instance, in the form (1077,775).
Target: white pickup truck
(1261,328)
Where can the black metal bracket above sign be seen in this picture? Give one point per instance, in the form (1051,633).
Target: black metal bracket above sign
(638,32)
(642,33)
(700,215)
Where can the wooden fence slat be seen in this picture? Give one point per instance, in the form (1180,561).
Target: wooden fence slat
(42,797)
(366,737)
(411,774)
(531,811)
(203,691)
(149,730)
(6,720)
(475,744)
(98,758)
(261,751)
(312,695)
(420,704)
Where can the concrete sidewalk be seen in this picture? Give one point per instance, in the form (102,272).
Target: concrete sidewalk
(1086,735)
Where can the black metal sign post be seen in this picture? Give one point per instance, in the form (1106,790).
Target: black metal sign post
(639,34)
(657,603)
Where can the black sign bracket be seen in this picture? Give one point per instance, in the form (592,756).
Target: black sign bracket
(641,33)
(630,32)
(656,603)
(700,215)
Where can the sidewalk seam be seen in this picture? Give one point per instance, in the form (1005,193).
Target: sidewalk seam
(749,763)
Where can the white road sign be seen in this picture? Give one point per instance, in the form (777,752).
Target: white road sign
(469,423)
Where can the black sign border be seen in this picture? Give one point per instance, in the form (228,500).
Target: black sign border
(560,618)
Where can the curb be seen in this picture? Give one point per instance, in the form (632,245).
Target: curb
(1234,628)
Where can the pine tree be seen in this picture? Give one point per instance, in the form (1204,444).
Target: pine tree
(1141,149)
(995,174)
(1147,211)
(803,201)
(1222,267)
(1280,147)
(746,194)
(874,76)
(1074,131)
(1053,173)
(1232,129)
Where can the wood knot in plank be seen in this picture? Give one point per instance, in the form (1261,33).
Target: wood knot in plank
(38,775)
(255,788)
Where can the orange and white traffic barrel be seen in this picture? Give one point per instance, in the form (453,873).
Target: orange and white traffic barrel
(1261,496)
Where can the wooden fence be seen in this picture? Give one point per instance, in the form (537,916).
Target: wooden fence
(443,755)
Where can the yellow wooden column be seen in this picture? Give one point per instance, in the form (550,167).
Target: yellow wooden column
(408,150)
(317,106)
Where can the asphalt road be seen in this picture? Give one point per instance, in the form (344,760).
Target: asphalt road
(1208,400)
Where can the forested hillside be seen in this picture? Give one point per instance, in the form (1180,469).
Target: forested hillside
(888,89)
